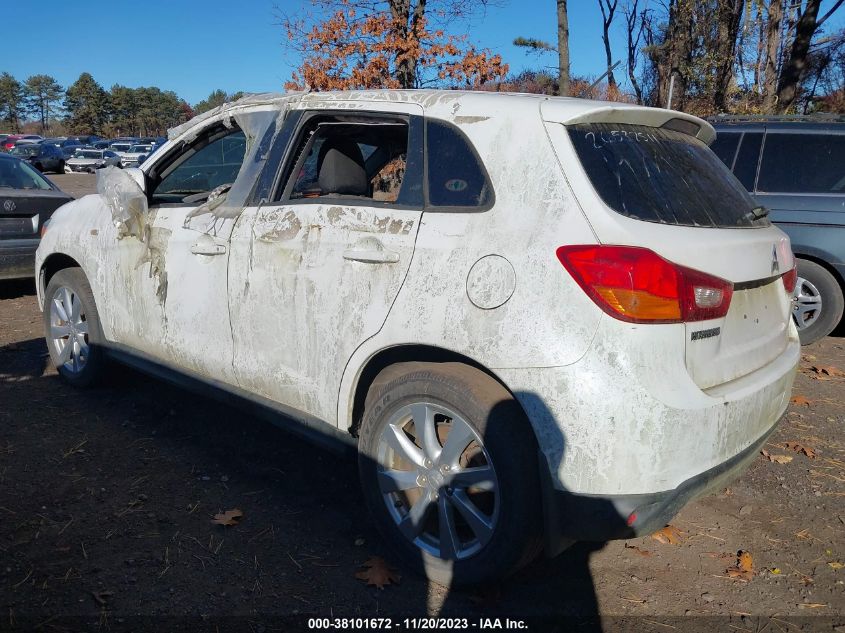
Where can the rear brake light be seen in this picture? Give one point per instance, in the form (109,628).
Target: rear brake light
(790,279)
(637,285)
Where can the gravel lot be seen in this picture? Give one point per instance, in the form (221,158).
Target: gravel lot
(107,495)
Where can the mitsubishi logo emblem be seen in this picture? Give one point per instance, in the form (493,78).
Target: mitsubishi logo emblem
(9,205)
(775,264)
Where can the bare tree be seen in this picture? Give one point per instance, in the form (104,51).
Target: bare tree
(634,27)
(772,48)
(608,9)
(729,17)
(563,47)
(794,68)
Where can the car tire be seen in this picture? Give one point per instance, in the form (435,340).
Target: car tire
(72,328)
(495,522)
(817,303)
(39,167)
(61,167)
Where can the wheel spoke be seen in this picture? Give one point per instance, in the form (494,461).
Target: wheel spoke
(59,331)
(399,442)
(67,303)
(82,327)
(460,436)
(480,524)
(64,352)
(423,416)
(395,480)
(480,477)
(449,541)
(83,344)
(412,524)
(74,354)
(60,311)
(75,309)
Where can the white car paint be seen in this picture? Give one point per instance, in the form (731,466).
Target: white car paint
(283,312)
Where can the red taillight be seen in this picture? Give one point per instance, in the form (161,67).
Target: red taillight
(790,279)
(637,285)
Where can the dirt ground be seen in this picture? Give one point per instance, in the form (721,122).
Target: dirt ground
(107,496)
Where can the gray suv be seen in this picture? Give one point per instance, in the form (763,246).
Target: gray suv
(795,167)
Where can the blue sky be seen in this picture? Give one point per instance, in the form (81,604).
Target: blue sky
(193,47)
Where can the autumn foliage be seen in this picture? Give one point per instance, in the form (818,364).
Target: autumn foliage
(355,48)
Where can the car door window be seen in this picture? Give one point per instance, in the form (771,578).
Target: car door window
(210,163)
(725,147)
(803,163)
(747,159)
(365,161)
(456,177)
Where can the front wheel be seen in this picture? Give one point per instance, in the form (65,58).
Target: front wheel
(448,464)
(817,302)
(72,328)
(61,167)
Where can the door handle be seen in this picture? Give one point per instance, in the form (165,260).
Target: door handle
(206,245)
(371,256)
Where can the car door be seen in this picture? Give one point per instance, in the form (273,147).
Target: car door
(328,251)
(176,274)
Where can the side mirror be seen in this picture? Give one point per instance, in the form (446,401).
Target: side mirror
(138,176)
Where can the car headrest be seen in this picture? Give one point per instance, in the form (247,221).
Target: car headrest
(342,168)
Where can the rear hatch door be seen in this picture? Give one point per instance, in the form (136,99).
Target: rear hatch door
(645,178)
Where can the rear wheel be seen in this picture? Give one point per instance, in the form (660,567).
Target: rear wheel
(448,464)
(72,328)
(817,302)
(60,169)
(39,167)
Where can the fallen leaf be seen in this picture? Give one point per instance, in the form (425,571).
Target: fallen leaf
(378,573)
(811,605)
(800,448)
(777,459)
(800,400)
(826,372)
(638,550)
(743,568)
(836,565)
(776,571)
(230,517)
(669,535)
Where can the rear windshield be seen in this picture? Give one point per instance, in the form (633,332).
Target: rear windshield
(663,176)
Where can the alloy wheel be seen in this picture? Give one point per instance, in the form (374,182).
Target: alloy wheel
(438,481)
(69,330)
(806,304)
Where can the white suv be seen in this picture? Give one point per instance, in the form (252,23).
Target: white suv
(538,319)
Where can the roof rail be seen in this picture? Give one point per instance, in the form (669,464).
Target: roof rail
(820,117)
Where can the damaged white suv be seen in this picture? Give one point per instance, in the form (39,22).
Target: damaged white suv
(538,319)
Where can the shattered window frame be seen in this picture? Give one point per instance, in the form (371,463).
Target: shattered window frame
(298,147)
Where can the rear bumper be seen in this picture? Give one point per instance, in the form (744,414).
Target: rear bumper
(17,258)
(576,517)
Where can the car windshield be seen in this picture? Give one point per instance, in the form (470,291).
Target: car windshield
(120,147)
(663,176)
(25,150)
(87,154)
(140,148)
(16,174)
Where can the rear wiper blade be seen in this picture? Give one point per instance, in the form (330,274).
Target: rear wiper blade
(760,212)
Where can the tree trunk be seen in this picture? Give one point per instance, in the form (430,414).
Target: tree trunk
(631,21)
(675,53)
(400,10)
(729,21)
(563,48)
(770,68)
(607,21)
(793,69)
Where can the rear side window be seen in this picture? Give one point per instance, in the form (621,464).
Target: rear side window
(456,177)
(803,163)
(662,176)
(725,147)
(745,167)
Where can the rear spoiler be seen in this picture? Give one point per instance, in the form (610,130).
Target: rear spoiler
(561,111)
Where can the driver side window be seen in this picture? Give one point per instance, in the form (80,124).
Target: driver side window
(205,166)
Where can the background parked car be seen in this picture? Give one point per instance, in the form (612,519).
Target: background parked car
(795,166)
(13,139)
(136,155)
(89,160)
(42,156)
(27,200)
